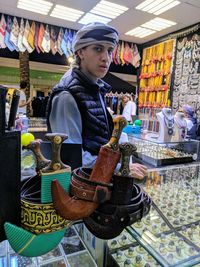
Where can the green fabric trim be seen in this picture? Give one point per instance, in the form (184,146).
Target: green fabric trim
(64,180)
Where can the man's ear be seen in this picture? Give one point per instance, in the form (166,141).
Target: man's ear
(80,54)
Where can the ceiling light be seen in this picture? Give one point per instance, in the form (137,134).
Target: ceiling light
(38,6)
(157,6)
(89,17)
(158,24)
(66,13)
(140,32)
(108,9)
(167,7)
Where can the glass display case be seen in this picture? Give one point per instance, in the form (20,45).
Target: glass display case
(161,154)
(170,234)
(38,127)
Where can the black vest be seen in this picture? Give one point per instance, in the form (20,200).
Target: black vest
(96,126)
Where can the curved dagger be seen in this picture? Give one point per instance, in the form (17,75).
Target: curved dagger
(55,164)
(72,208)
(56,169)
(42,162)
(119,123)
(122,181)
(127,150)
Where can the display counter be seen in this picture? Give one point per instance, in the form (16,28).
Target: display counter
(161,154)
(38,127)
(170,234)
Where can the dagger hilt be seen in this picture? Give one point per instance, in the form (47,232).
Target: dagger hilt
(126,150)
(119,123)
(42,162)
(56,142)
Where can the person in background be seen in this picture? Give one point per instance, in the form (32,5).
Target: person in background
(7,111)
(76,105)
(191,121)
(129,108)
(22,101)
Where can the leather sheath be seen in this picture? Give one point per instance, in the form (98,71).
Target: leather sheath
(111,217)
(75,207)
(83,188)
(105,165)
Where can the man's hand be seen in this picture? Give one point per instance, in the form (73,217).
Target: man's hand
(138,171)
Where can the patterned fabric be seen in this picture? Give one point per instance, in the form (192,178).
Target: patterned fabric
(128,54)
(2,31)
(64,44)
(117,58)
(70,40)
(114,55)
(53,43)
(25,37)
(7,35)
(136,57)
(37,28)
(95,33)
(20,45)
(40,37)
(14,33)
(122,53)
(59,40)
(46,40)
(31,35)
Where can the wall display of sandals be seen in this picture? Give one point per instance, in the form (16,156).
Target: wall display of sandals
(186,82)
(155,79)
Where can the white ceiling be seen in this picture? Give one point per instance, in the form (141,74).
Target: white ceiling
(185,14)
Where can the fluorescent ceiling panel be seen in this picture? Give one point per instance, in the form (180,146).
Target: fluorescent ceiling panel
(66,13)
(158,24)
(140,32)
(89,17)
(38,6)
(108,9)
(157,7)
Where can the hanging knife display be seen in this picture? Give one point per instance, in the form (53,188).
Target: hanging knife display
(41,227)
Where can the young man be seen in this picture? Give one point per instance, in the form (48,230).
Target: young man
(22,101)
(76,106)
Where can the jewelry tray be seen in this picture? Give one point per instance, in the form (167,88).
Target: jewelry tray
(162,154)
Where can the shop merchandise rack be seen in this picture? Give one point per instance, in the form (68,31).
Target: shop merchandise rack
(170,234)
(71,252)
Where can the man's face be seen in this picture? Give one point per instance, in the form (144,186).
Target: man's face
(96,59)
(125,99)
